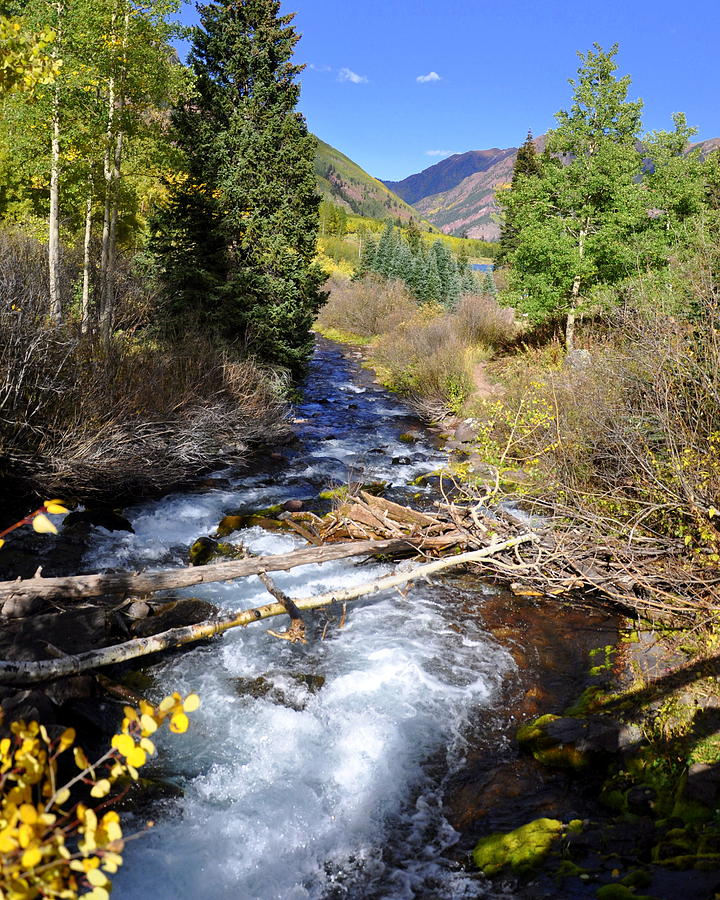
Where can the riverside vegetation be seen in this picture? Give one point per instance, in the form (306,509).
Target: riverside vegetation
(167,262)
(589,392)
(158,228)
(135,250)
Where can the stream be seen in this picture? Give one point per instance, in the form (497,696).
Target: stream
(322,770)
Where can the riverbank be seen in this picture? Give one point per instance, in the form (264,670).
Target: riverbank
(655,760)
(402,723)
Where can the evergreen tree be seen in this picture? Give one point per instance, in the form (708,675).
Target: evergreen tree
(432,289)
(413,235)
(489,286)
(527,165)
(368,253)
(383,262)
(404,263)
(247,217)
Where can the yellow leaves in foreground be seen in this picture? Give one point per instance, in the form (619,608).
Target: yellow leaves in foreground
(43,525)
(51,845)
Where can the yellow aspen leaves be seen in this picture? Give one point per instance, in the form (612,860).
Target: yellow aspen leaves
(43,525)
(31,857)
(55,506)
(38,817)
(28,814)
(192,702)
(101,788)
(62,796)
(179,723)
(123,743)
(81,761)
(137,757)
(67,739)
(148,724)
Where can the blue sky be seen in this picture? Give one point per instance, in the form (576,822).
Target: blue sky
(490,70)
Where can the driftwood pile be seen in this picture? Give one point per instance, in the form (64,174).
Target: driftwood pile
(537,558)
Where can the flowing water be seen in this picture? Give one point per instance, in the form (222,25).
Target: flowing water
(313,771)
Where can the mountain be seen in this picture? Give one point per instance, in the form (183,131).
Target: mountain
(448,173)
(344,183)
(706,147)
(458,195)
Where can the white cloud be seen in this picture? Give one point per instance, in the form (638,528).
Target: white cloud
(431,76)
(349,75)
(440,152)
(315,68)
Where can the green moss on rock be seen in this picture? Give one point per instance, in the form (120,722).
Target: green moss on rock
(620,892)
(534,739)
(520,850)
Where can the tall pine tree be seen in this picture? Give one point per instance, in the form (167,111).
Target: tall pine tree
(527,164)
(236,243)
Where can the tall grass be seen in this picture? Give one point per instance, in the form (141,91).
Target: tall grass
(424,352)
(82,416)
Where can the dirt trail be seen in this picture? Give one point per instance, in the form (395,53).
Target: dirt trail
(485,388)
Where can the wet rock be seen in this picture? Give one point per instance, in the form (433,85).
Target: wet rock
(99,517)
(147,793)
(516,476)
(209,484)
(401,460)
(202,551)
(312,682)
(175,615)
(293,505)
(410,437)
(264,518)
(641,799)
(228,524)
(30,706)
(138,609)
(573,741)
(252,687)
(70,632)
(78,687)
(481,469)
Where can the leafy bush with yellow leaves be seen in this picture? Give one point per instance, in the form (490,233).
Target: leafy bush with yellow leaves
(53,844)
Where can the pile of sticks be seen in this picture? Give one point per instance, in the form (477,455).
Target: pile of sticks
(541,557)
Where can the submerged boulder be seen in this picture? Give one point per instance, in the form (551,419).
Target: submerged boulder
(268,518)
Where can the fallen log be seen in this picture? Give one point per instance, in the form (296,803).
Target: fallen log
(22,672)
(82,587)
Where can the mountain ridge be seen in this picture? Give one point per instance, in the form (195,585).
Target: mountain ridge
(447,174)
(343,182)
(469,205)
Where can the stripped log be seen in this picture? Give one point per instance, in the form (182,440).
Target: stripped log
(44,670)
(83,587)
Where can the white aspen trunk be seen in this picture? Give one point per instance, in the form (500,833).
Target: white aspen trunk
(54,218)
(574,299)
(85,325)
(113,163)
(107,212)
